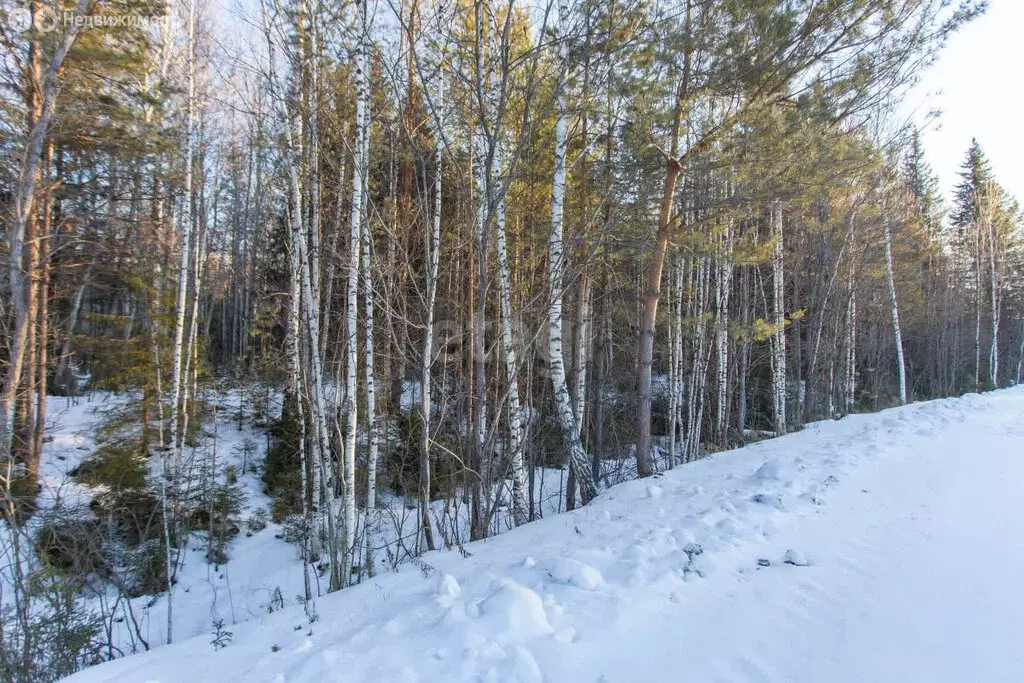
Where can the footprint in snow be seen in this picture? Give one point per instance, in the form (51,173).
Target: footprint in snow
(772,499)
(814,498)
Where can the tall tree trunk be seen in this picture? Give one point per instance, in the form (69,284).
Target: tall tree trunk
(352,343)
(1020,354)
(179,326)
(651,295)
(482,196)
(600,371)
(370,511)
(723,289)
(850,383)
(433,251)
(894,302)
(515,416)
(309,552)
(369,523)
(977,306)
(993,356)
(778,338)
(578,460)
(674,366)
(42,357)
(23,210)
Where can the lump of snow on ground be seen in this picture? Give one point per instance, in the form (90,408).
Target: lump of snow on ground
(448,587)
(513,613)
(575,573)
(769,471)
(795,558)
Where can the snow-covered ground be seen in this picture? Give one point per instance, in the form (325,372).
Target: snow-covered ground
(263,567)
(904,531)
(263,573)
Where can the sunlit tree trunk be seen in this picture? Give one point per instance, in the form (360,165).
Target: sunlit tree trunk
(723,288)
(990,199)
(352,341)
(515,417)
(901,367)
(179,325)
(578,460)
(675,381)
(778,338)
(369,523)
(23,210)
(850,381)
(433,251)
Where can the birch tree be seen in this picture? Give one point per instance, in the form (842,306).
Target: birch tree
(578,460)
(778,338)
(890,277)
(360,147)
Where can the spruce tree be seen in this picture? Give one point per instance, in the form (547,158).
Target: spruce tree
(975,174)
(921,181)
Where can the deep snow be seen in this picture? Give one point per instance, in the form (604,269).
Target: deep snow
(882,547)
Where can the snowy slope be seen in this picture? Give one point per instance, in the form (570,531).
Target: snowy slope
(907,523)
(260,563)
(264,573)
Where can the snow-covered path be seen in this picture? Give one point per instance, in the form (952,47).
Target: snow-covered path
(916,575)
(910,522)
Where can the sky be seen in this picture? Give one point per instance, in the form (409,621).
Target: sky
(976,83)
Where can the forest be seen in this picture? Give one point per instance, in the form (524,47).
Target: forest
(436,254)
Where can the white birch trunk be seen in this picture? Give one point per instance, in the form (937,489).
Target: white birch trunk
(433,250)
(850,383)
(190,371)
(304,304)
(746,315)
(179,325)
(580,353)
(722,291)
(515,418)
(694,307)
(989,218)
(351,332)
(891,278)
(778,339)
(317,395)
(369,524)
(578,459)
(700,362)
(675,364)
(977,307)
(482,203)
(1020,353)
(292,344)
